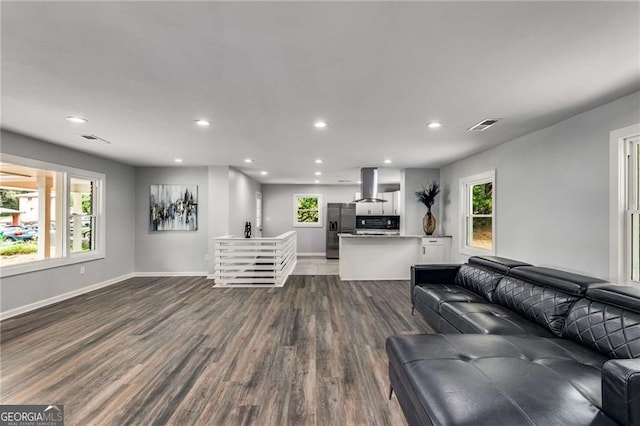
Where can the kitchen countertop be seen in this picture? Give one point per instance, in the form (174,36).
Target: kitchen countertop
(378,236)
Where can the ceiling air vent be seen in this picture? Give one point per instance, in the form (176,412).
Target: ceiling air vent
(483,125)
(94,138)
(343,181)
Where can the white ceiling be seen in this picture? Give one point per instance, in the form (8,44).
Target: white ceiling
(263,72)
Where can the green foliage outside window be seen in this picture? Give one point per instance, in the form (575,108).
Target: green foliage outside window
(482,202)
(307,210)
(9,198)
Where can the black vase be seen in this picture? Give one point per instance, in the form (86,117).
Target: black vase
(247,230)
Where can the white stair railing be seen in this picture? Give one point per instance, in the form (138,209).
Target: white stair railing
(254,262)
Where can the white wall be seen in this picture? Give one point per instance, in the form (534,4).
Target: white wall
(171,251)
(412,180)
(24,289)
(552,190)
(278,211)
(242,202)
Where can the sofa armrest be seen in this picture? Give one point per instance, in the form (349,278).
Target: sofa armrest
(621,390)
(432,274)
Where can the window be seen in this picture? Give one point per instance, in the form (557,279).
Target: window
(624,204)
(307,210)
(36,198)
(258,213)
(633,208)
(81,214)
(477,203)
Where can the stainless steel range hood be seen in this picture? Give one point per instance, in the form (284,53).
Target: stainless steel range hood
(369,189)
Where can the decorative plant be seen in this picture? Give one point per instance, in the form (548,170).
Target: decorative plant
(428,194)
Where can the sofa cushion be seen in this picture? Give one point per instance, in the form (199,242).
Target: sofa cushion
(488,318)
(545,306)
(500,380)
(623,296)
(608,329)
(479,280)
(433,295)
(500,264)
(435,320)
(567,282)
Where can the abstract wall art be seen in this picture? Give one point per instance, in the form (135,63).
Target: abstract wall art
(173,208)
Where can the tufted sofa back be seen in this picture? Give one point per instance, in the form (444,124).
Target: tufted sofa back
(483,273)
(607,320)
(543,295)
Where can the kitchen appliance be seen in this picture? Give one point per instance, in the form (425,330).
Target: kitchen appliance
(369,189)
(341,219)
(378,225)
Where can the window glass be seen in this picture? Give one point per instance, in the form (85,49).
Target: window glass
(259,211)
(636,174)
(81,217)
(482,235)
(481,211)
(307,210)
(635,246)
(477,207)
(482,198)
(50,215)
(633,212)
(28,213)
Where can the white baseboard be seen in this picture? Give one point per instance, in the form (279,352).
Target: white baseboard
(59,298)
(55,299)
(321,254)
(171,274)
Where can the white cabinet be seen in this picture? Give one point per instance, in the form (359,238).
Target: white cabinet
(435,250)
(396,202)
(368,209)
(390,207)
(386,208)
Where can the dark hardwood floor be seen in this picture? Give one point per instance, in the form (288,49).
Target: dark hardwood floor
(177,351)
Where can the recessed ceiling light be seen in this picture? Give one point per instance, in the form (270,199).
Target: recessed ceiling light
(359,182)
(74,119)
(264,173)
(387,161)
(318,161)
(316,181)
(178,160)
(203,123)
(434,124)
(320,124)
(248,160)
(318,173)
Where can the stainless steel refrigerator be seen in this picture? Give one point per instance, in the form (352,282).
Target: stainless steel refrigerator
(341,219)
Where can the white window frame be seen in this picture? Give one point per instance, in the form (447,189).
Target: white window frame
(258,210)
(466,184)
(320,222)
(67,258)
(620,209)
(96,213)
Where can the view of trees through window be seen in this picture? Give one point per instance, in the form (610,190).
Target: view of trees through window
(307,210)
(482,216)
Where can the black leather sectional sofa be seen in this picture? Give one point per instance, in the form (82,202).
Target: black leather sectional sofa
(519,345)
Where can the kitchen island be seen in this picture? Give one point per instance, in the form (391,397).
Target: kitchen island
(378,257)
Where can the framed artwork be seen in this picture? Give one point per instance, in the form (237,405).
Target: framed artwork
(173,208)
(307,210)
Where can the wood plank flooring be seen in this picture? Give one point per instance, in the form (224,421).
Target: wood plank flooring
(177,351)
